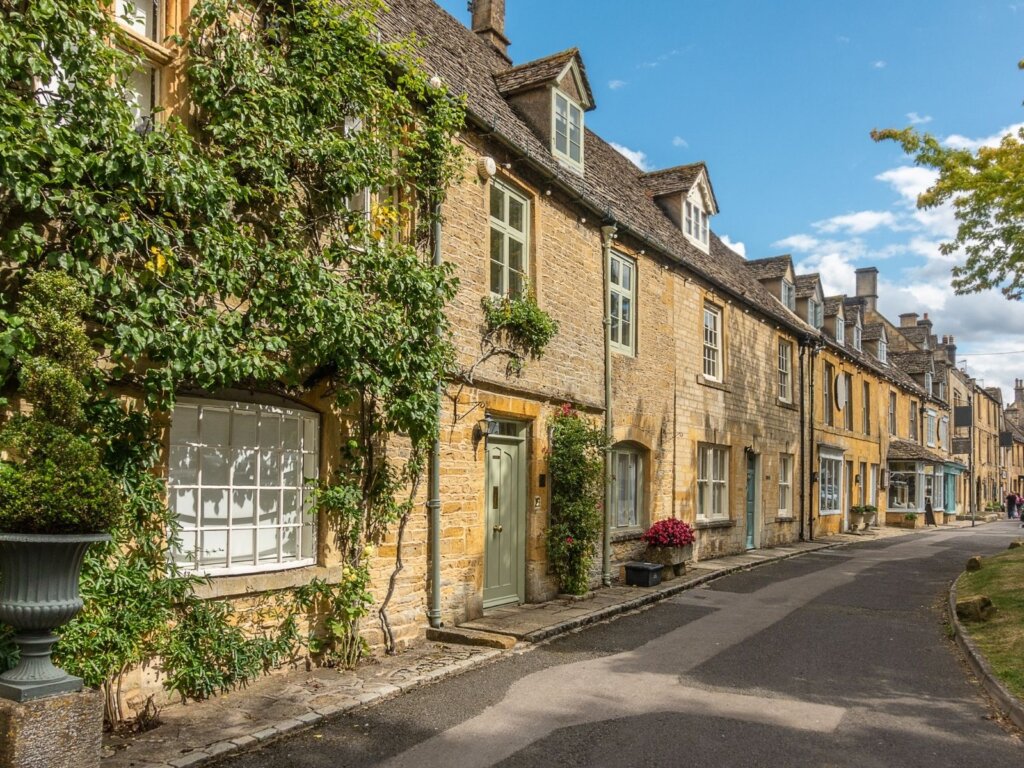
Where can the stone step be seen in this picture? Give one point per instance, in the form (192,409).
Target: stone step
(466,636)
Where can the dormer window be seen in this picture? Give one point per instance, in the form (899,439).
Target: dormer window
(840,331)
(789,294)
(883,350)
(928,383)
(856,338)
(567,133)
(696,222)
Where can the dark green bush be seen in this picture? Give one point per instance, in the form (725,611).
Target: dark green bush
(53,480)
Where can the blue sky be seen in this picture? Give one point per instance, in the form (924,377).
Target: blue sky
(779,100)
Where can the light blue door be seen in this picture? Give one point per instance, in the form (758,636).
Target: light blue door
(751,497)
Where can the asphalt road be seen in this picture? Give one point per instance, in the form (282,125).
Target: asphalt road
(837,658)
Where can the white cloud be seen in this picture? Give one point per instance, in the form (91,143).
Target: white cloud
(957,141)
(857,223)
(916,119)
(797,243)
(880,64)
(679,141)
(915,276)
(635,156)
(842,39)
(740,248)
(616,84)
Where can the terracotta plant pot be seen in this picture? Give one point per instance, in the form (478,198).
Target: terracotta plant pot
(38,593)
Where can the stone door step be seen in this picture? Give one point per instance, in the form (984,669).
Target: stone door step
(465,636)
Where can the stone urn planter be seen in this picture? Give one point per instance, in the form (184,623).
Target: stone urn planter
(856,519)
(870,517)
(38,593)
(670,557)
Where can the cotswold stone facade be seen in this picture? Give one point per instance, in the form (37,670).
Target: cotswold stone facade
(742,400)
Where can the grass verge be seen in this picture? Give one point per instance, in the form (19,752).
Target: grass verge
(1001,638)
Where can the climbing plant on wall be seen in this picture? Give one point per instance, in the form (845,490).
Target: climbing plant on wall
(225,251)
(575,461)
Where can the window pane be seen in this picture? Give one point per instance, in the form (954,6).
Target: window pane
(140,16)
(515,256)
(214,466)
(270,507)
(497,202)
(243,467)
(244,428)
(243,507)
(515,214)
(183,503)
(242,547)
(214,551)
(141,92)
(183,465)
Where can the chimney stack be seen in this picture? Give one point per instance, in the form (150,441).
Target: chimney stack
(908,320)
(949,341)
(867,286)
(489,23)
(1018,392)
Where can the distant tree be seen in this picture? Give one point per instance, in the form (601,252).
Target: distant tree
(986,189)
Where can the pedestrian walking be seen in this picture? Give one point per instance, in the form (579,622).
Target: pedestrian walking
(1011,506)
(929,514)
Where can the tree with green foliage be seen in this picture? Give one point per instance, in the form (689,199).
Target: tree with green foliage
(221,252)
(986,191)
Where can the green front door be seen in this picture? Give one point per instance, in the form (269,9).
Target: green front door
(505,521)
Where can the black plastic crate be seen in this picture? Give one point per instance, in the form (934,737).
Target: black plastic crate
(643,574)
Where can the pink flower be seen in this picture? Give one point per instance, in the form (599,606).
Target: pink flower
(669,533)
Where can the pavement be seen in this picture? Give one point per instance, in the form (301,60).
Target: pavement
(201,733)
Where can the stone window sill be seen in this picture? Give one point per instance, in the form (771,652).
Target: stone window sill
(244,584)
(626,534)
(788,405)
(701,379)
(785,519)
(706,524)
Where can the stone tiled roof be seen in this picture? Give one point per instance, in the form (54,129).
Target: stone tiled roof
(916,335)
(872,332)
(995,393)
(806,285)
(853,308)
(680,178)
(770,268)
(905,450)
(610,185)
(913,362)
(833,304)
(539,72)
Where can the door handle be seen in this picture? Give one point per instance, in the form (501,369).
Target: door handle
(498,529)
